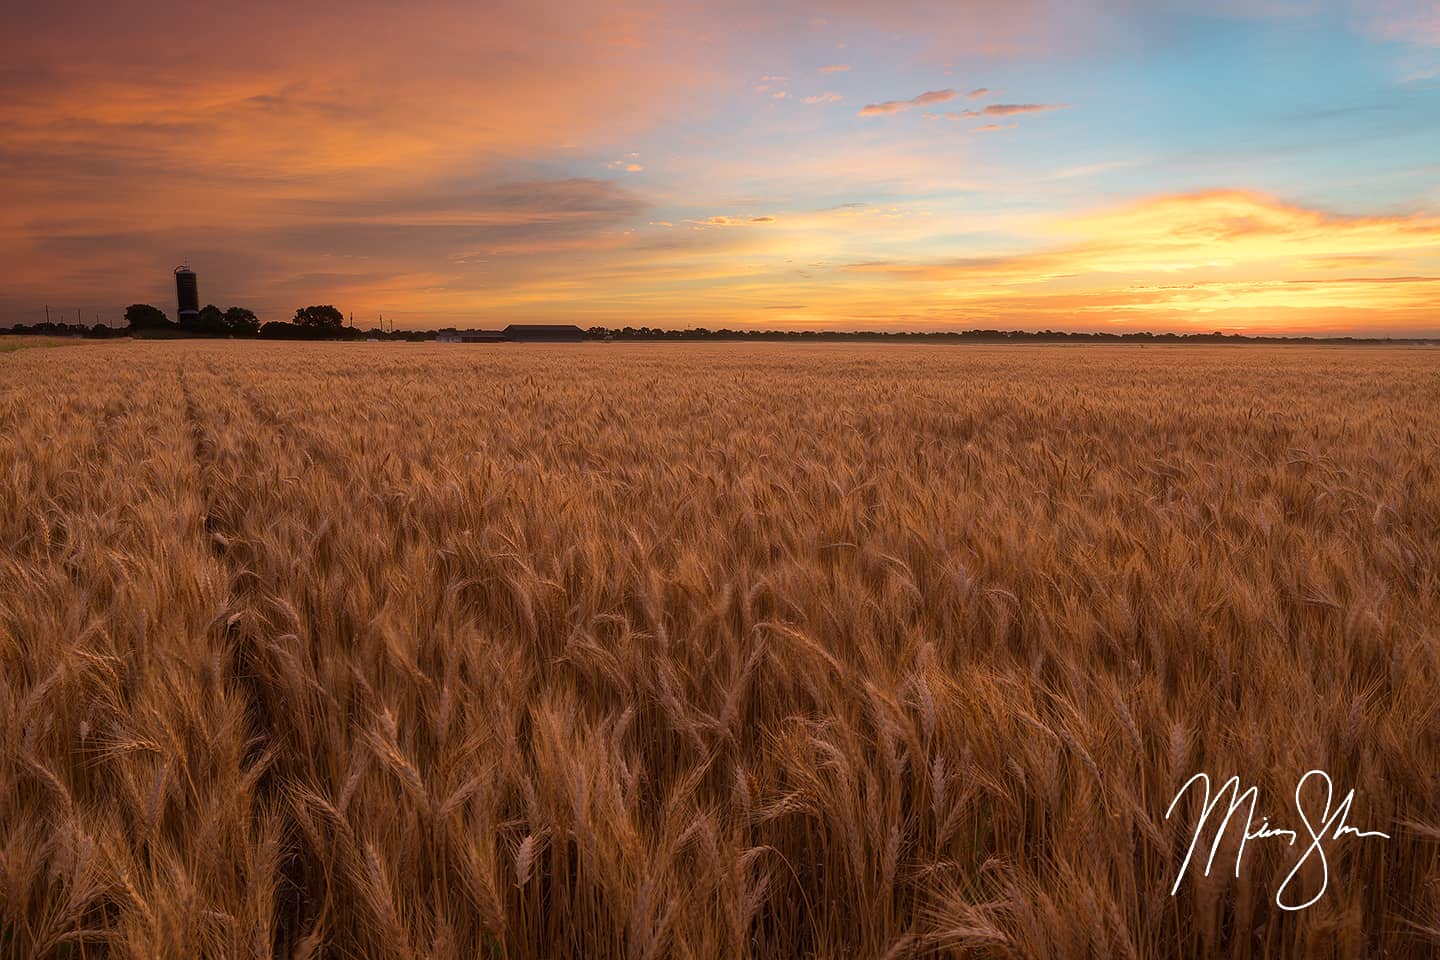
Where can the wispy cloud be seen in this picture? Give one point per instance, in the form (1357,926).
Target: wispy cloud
(835,68)
(899,106)
(724,221)
(978,92)
(1010,109)
(1408,21)
(998,110)
(826,97)
(1091,169)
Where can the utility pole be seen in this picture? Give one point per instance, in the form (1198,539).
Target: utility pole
(47,313)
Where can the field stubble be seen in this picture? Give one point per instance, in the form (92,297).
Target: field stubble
(362,650)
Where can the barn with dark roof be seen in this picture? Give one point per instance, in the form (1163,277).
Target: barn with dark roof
(544,333)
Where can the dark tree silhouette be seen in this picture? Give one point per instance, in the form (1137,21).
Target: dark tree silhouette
(211,320)
(142,316)
(241,322)
(323,317)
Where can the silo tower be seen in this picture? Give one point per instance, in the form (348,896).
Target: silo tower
(187,291)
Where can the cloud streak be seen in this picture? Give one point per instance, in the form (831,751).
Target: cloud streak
(725,221)
(998,110)
(900,106)
(1011,109)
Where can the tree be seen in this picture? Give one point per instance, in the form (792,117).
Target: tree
(241,322)
(275,330)
(210,320)
(142,316)
(322,318)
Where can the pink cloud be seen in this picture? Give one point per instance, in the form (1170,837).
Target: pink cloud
(1408,21)
(826,97)
(933,96)
(899,106)
(997,110)
(1010,109)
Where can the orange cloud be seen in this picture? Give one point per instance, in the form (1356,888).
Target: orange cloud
(1224,260)
(722,221)
(233,135)
(1249,258)
(899,106)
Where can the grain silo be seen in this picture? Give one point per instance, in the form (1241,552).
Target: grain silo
(187,291)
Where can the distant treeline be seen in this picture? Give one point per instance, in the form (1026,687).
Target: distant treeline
(325,322)
(963,336)
(322,322)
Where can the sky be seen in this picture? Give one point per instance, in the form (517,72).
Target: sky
(1264,166)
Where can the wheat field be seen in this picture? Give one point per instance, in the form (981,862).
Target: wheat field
(650,651)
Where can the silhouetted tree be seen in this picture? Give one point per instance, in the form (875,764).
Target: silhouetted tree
(211,320)
(325,318)
(142,316)
(274,330)
(241,322)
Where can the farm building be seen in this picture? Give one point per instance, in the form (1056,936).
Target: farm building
(470,336)
(544,333)
(517,332)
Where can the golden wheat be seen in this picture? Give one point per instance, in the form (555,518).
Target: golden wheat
(351,650)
